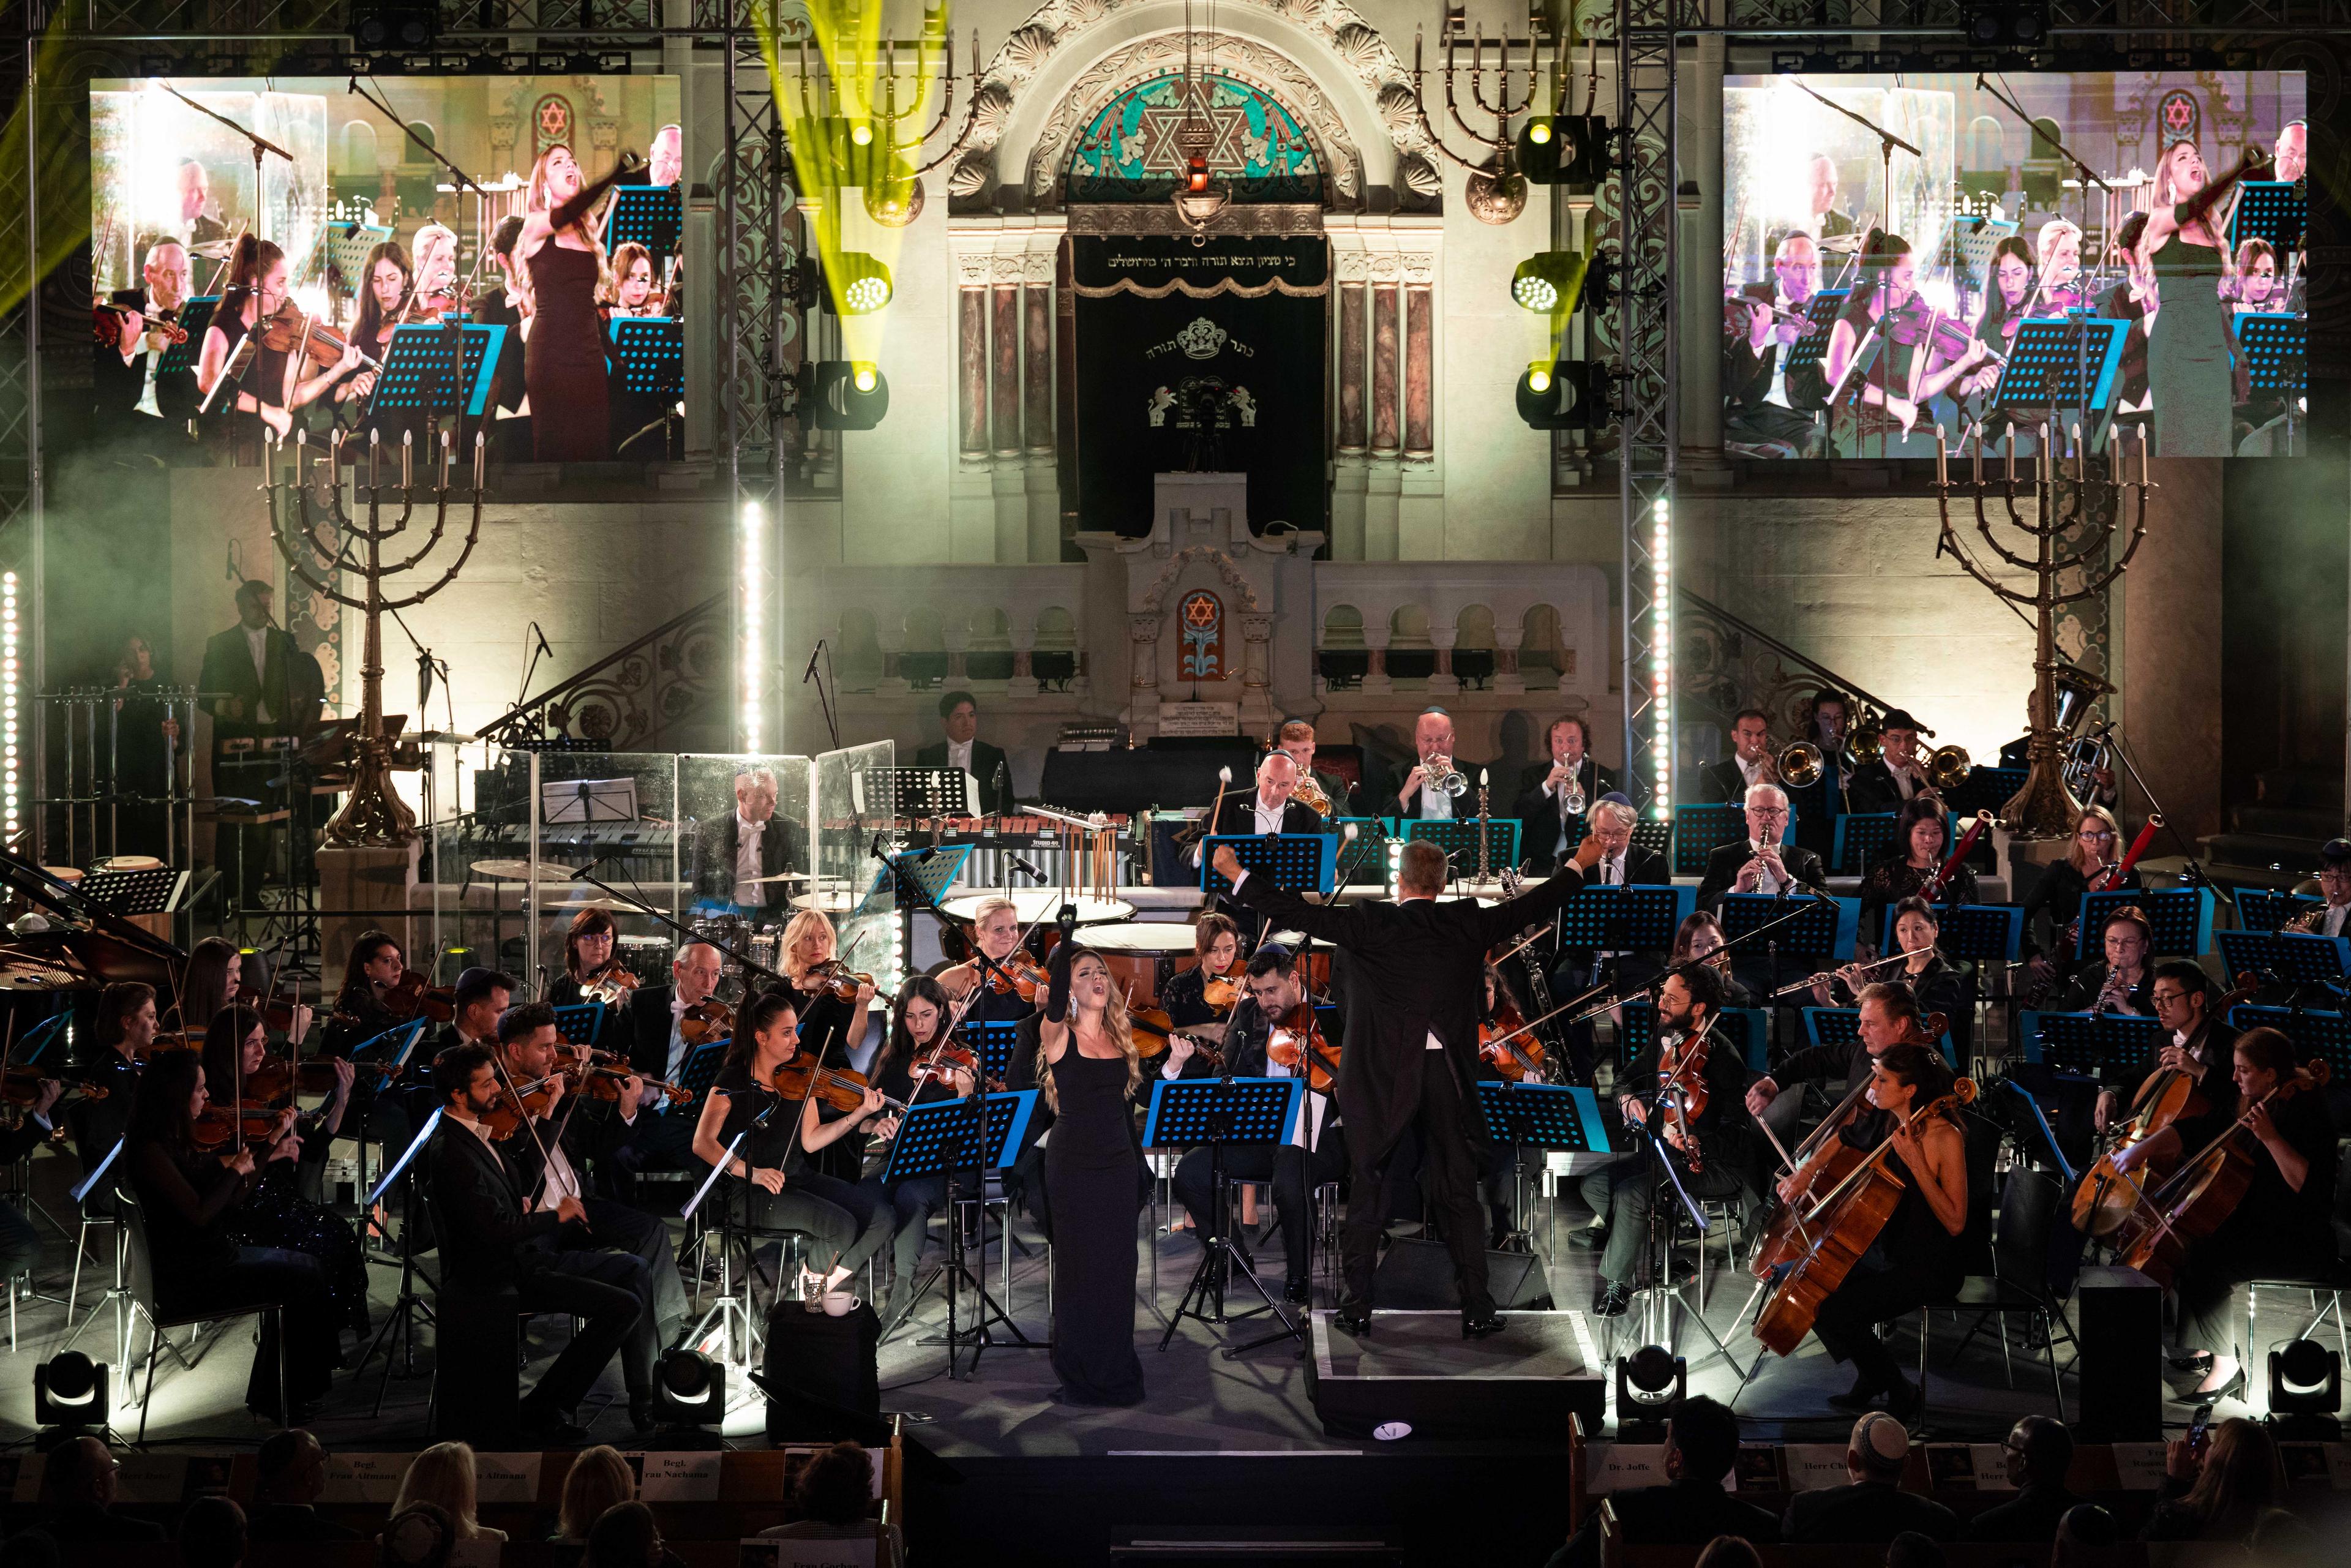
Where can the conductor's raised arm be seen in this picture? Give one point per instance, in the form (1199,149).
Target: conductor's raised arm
(1340,927)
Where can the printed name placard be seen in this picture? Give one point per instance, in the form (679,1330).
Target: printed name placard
(676,1477)
(506,1478)
(365,1477)
(1815,1467)
(2139,1467)
(1624,1467)
(151,1478)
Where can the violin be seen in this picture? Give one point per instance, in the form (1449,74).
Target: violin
(518,1106)
(278,1077)
(413,996)
(2104,1199)
(1504,1044)
(277,1013)
(838,980)
(604,1074)
(1154,1028)
(610,985)
(951,1057)
(1019,976)
(838,1087)
(25,1085)
(2207,1187)
(218,1128)
(1221,992)
(109,321)
(1297,1038)
(1843,1224)
(1682,1095)
(706,1020)
(289,328)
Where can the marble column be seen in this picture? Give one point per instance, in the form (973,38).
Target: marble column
(1419,371)
(1508,681)
(1351,368)
(959,644)
(1143,680)
(1257,701)
(971,327)
(1023,683)
(1044,478)
(1376,677)
(1005,365)
(1443,681)
(1386,415)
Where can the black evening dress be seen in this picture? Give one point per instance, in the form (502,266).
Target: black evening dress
(2188,353)
(563,362)
(1091,1171)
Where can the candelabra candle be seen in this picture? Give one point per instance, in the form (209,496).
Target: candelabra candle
(375,447)
(445,456)
(2081,455)
(1942,461)
(2142,457)
(407,459)
(1977,448)
(481,454)
(2012,452)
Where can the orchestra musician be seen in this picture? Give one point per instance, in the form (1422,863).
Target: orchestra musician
(588,958)
(809,948)
(665,156)
(963,748)
(1823,220)
(1766,403)
(1886,784)
(252,666)
(2285,1218)
(1699,939)
(652,1033)
(437,289)
(120,1036)
(2014,292)
(144,750)
(1550,792)
(188,1198)
(1316,1153)
(2121,982)
(919,1025)
(2060,244)
(384,297)
(1749,764)
(1217,953)
(560,255)
(1889,1015)
(617,1244)
(2133,298)
(2096,845)
(1921,840)
(2335,886)
(508,306)
(639,418)
(1622,863)
(1410,1056)
(136,398)
(1622,1192)
(199,222)
(2181,995)
(361,1012)
(477,1002)
(1890,417)
(1273,805)
(1432,742)
(634,290)
(1917,1258)
(1296,736)
(495,1238)
(2185,247)
(264,387)
(733,857)
(1760,863)
(995,931)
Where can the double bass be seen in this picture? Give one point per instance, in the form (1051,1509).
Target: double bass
(1845,1223)
(2105,1197)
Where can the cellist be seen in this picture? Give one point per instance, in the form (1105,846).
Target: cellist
(1915,1259)
(2182,996)
(1889,1014)
(2282,1224)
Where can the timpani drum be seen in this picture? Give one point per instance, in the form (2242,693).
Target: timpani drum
(1142,955)
(1032,904)
(1317,963)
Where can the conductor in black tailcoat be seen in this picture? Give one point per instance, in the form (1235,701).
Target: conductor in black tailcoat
(1416,983)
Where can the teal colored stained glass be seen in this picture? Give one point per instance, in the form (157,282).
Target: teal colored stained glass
(1127,153)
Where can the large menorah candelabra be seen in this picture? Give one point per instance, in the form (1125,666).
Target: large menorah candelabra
(299,519)
(2067,535)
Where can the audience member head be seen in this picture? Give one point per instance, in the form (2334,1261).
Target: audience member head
(625,1537)
(443,1475)
(2086,1538)
(211,1534)
(2040,1451)
(2241,1479)
(1878,1448)
(79,1474)
(1702,1440)
(418,1535)
(1912,1549)
(291,1468)
(837,1486)
(1730,1552)
(598,1480)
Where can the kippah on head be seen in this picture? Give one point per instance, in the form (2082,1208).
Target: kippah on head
(1882,1442)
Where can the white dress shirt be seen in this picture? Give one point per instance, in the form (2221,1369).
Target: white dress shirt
(959,755)
(1435,805)
(1765,882)
(747,835)
(677,1046)
(1755,772)
(1269,818)
(2332,921)
(257,639)
(150,313)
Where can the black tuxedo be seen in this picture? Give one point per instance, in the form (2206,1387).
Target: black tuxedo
(987,765)
(1722,870)
(120,386)
(1866,1512)
(1724,783)
(645,1022)
(1538,813)
(1413,970)
(663,1138)
(1874,790)
(782,847)
(489,1241)
(1681,1513)
(228,672)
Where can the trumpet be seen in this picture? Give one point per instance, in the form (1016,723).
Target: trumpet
(1316,799)
(1440,772)
(1800,765)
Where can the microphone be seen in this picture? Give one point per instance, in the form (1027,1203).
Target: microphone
(592,865)
(1026,869)
(810,674)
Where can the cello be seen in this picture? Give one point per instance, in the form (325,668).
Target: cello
(2105,1198)
(1850,1215)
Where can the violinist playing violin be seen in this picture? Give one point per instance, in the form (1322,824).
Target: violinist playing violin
(615,1244)
(2283,1222)
(996,931)
(136,398)
(1266,1037)
(914,1067)
(1767,403)
(1916,354)
(652,1034)
(1686,1089)
(1916,1257)
(362,1010)
(1201,999)
(591,971)
(1504,1058)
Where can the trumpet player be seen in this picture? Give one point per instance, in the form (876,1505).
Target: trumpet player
(1550,793)
(1296,736)
(1423,794)
(1886,784)
(2335,886)
(1749,764)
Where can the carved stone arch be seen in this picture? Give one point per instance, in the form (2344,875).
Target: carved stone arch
(1242,59)
(1156,596)
(1355,48)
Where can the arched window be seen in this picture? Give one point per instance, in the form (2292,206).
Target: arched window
(1127,152)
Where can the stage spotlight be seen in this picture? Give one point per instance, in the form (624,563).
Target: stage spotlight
(1549,280)
(2305,1390)
(689,1398)
(861,284)
(1563,149)
(70,1397)
(1566,396)
(836,394)
(382,26)
(2005,24)
(1650,1383)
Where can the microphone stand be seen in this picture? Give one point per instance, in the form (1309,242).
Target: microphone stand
(463,180)
(1886,142)
(2083,276)
(261,147)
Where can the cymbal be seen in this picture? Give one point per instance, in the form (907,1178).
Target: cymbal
(450,737)
(213,250)
(506,870)
(784,876)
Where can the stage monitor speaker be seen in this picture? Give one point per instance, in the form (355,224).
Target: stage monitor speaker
(1419,1275)
(821,1376)
(2118,1318)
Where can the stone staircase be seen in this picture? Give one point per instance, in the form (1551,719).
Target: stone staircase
(2273,841)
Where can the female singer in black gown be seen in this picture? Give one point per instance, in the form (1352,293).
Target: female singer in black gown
(1092,1168)
(1918,1252)
(276,1214)
(2188,357)
(561,252)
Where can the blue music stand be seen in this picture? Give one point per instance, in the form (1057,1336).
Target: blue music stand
(1819,320)
(1543,1116)
(1825,930)
(1294,863)
(1751,1028)
(934,871)
(38,1039)
(1985,789)
(1700,831)
(2275,210)
(1217,1112)
(2048,1135)
(2326,1035)
(580,1023)
(700,1067)
(196,318)
(1980,933)
(649,216)
(2087,1043)
(388,1053)
(2261,909)
(2295,958)
(1861,838)
(2045,366)
(1459,839)
(993,1041)
(2181,916)
(1842,1025)
(949,1138)
(1636,1031)
(651,353)
(1635,918)
(416,377)
(1655,834)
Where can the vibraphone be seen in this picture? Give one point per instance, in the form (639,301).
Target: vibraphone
(1089,856)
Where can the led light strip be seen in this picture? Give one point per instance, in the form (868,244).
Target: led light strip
(1661,663)
(11,820)
(749,658)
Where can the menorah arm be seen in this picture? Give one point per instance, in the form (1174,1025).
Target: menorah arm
(947,107)
(1503,108)
(1991,542)
(1975,570)
(1453,103)
(473,536)
(1427,127)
